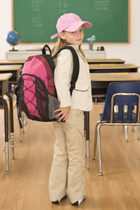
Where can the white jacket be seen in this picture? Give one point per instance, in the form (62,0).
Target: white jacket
(81,96)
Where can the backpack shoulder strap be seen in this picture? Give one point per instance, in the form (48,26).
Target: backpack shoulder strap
(75,72)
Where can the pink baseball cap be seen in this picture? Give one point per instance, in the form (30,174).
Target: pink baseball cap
(70,22)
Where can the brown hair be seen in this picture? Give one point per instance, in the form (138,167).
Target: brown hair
(63,43)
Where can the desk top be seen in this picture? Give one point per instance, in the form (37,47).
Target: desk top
(105,61)
(106,77)
(5,76)
(109,66)
(10,67)
(9,62)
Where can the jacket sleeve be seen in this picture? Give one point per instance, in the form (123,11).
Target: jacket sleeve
(62,77)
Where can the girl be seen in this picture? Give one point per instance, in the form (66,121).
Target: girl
(68,167)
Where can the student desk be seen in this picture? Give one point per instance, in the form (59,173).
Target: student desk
(102,80)
(115,77)
(3,91)
(99,88)
(105,61)
(113,68)
(11,62)
(4,83)
(14,69)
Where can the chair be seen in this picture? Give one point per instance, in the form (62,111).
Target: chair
(122,107)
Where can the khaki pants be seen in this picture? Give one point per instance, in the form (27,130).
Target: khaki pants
(68,167)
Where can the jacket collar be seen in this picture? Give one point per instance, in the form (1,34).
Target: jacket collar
(76,47)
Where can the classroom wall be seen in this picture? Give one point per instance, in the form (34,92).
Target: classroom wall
(129,52)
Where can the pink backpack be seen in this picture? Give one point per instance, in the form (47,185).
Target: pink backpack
(36,90)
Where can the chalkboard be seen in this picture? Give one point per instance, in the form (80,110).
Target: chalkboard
(35,20)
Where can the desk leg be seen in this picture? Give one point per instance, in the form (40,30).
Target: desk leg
(87,137)
(6,133)
(11,122)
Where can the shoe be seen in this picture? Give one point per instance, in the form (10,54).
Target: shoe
(58,201)
(77,203)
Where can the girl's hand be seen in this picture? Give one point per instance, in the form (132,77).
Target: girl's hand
(63,113)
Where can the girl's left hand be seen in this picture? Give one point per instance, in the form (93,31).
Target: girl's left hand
(63,113)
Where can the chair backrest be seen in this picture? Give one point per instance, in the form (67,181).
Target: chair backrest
(126,104)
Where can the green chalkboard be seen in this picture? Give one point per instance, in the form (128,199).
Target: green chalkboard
(35,20)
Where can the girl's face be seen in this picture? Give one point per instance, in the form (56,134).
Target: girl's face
(73,38)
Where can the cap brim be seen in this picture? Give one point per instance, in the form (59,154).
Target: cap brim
(53,36)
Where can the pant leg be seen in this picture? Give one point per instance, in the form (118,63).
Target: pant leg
(74,130)
(58,174)
(68,167)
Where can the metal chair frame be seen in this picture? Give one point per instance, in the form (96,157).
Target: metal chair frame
(99,124)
